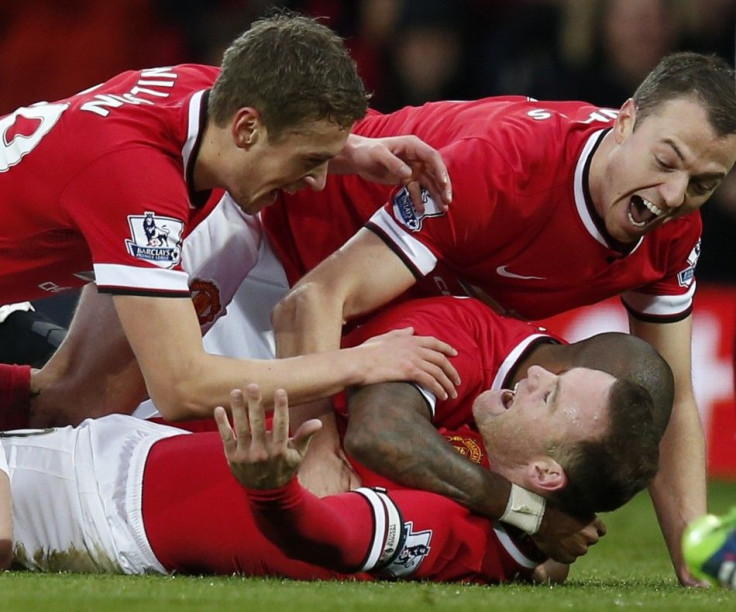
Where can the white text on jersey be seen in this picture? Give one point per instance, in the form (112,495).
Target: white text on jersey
(150,78)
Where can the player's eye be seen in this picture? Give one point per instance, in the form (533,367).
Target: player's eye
(702,188)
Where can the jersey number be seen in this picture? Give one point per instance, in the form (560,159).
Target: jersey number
(24,129)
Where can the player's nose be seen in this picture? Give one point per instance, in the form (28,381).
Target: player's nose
(317,179)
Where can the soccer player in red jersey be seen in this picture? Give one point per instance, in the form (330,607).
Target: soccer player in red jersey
(151,508)
(106,184)
(556,205)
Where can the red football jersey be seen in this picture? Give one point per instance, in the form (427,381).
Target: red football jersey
(365,534)
(98,182)
(521,226)
(489,347)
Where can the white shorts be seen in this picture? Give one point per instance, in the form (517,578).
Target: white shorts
(77,495)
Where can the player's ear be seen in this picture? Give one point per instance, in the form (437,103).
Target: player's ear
(546,474)
(246,127)
(625,121)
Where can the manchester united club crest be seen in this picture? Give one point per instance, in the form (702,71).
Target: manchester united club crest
(155,239)
(467,447)
(206,299)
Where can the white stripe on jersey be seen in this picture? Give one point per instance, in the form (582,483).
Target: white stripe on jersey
(414,250)
(195,105)
(512,358)
(143,279)
(511,548)
(579,191)
(388,528)
(659,305)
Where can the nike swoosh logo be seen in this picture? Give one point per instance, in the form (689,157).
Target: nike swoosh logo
(502,271)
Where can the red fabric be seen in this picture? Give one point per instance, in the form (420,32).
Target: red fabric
(87,211)
(519,178)
(15,396)
(198,519)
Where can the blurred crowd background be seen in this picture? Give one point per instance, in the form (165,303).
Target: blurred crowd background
(407,51)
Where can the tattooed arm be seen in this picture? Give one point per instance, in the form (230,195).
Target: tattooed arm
(390,433)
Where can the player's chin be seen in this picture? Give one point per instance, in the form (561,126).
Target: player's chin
(262,201)
(487,404)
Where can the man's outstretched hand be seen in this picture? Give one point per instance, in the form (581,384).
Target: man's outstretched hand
(261,459)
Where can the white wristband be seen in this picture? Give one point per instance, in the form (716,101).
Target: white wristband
(524,510)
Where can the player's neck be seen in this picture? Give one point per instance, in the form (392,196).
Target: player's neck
(205,174)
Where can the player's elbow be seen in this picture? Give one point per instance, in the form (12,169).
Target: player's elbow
(300,303)
(360,444)
(177,399)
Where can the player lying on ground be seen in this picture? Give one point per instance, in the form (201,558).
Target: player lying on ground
(495,353)
(133,496)
(391,428)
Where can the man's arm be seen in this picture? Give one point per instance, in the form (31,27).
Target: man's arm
(679,489)
(92,373)
(389,432)
(358,278)
(186,382)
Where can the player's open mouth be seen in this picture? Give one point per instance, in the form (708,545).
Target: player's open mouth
(508,396)
(642,212)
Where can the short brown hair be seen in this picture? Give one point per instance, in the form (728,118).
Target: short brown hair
(604,473)
(292,70)
(708,79)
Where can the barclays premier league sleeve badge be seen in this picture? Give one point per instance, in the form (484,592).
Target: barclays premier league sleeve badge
(155,239)
(407,214)
(686,276)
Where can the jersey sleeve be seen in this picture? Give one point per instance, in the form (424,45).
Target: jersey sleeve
(670,299)
(353,532)
(447,319)
(455,237)
(133,221)
(402,534)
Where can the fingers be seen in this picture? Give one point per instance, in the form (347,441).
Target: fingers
(256,416)
(240,418)
(404,331)
(437,353)
(280,434)
(303,435)
(415,193)
(431,171)
(434,378)
(226,433)
(600,527)
(436,176)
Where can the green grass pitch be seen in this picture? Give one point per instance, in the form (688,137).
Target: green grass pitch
(629,569)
